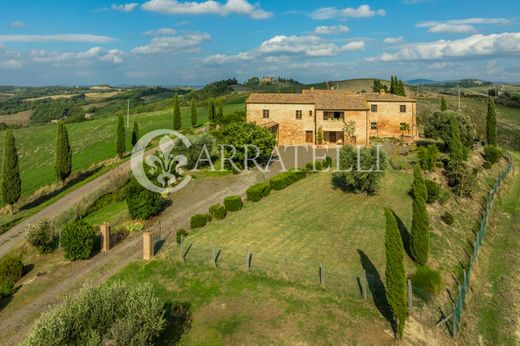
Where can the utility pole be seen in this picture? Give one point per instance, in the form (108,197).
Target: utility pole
(128,113)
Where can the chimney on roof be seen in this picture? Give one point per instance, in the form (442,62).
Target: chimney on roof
(382,92)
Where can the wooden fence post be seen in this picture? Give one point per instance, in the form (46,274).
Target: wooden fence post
(410,300)
(104,229)
(147,245)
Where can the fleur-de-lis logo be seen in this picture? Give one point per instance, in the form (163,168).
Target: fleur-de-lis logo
(164,166)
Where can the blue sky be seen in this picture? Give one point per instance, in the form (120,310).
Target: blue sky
(177,42)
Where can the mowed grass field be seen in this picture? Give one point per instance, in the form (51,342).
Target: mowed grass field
(91,141)
(311,223)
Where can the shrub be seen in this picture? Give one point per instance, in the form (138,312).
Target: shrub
(11,270)
(77,240)
(258,191)
(426,282)
(492,154)
(448,218)
(198,221)
(428,157)
(282,180)
(313,167)
(487,165)
(444,196)
(135,226)
(438,127)
(351,179)
(41,236)
(180,233)
(112,314)
(142,203)
(218,211)
(461,179)
(327,163)
(433,189)
(233,203)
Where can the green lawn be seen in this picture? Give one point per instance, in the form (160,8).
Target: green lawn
(91,141)
(312,223)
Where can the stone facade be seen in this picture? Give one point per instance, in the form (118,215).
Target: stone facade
(343,117)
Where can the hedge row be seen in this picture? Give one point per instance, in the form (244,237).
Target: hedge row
(11,270)
(233,203)
(199,220)
(282,180)
(258,191)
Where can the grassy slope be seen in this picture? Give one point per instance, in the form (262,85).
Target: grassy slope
(91,141)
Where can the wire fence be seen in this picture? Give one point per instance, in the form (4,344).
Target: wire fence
(463,288)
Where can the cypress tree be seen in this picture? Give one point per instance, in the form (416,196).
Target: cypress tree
(401,92)
(220,112)
(420,234)
(456,151)
(121,136)
(395,274)
(444,105)
(135,134)
(63,153)
(211,110)
(491,123)
(11,182)
(419,186)
(193,113)
(176,114)
(392,85)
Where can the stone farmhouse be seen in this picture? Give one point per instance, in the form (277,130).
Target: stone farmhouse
(341,116)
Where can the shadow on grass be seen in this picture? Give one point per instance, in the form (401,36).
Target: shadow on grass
(377,288)
(68,184)
(178,322)
(405,235)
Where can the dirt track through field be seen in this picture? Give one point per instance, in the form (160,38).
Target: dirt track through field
(17,317)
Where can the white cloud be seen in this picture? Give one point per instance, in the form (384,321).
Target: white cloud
(170,44)
(460,25)
(56,38)
(10,64)
(394,40)
(160,32)
(17,25)
(473,46)
(306,45)
(331,30)
(414,2)
(362,11)
(241,7)
(124,7)
(93,54)
(353,46)
(222,58)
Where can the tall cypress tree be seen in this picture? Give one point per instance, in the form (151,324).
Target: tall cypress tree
(392,85)
(211,110)
(456,150)
(11,182)
(177,124)
(444,105)
(220,112)
(401,92)
(135,134)
(121,136)
(418,184)
(395,274)
(491,123)
(193,107)
(420,234)
(63,153)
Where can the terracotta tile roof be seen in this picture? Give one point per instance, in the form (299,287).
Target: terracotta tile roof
(327,99)
(280,98)
(387,97)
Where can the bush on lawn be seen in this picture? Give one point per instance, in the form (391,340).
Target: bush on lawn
(327,163)
(180,233)
(428,157)
(233,203)
(142,203)
(282,180)
(218,211)
(487,165)
(433,189)
(426,282)
(41,236)
(492,154)
(111,314)
(11,270)
(134,226)
(198,221)
(352,179)
(313,167)
(448,218)
(77,240)
(258,191)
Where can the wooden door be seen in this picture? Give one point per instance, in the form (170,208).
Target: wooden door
(332,137)
(309,137)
